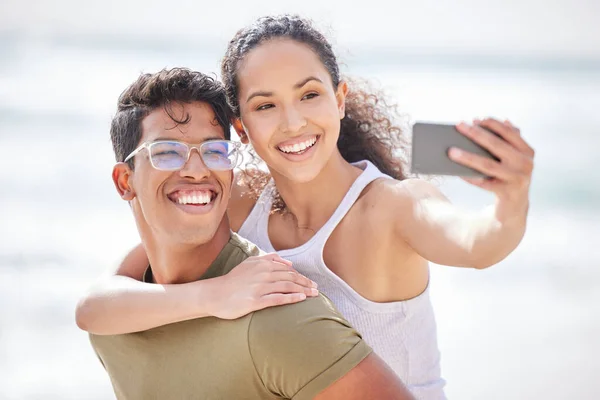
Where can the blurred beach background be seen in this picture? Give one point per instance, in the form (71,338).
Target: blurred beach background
(528,328)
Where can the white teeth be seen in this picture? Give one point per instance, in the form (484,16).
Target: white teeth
(197,198)
(298,147)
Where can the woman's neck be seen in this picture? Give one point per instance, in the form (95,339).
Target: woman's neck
(312,203)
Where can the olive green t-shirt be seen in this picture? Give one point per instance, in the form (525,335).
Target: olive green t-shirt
(293,351)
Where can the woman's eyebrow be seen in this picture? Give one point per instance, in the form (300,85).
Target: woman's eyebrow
(296,86)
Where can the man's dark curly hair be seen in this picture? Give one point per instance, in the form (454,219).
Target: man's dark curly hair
(164,89)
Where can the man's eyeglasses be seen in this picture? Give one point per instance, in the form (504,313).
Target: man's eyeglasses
(171,155)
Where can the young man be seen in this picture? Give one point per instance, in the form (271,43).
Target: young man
(170,135)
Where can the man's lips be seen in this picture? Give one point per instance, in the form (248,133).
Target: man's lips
(193,196)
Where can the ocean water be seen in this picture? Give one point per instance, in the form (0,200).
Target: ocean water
(526,328)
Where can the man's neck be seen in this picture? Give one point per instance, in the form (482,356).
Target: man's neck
(175,263)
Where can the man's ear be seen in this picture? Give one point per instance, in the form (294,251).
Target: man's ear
(340,95)
(121,175)
(240,130)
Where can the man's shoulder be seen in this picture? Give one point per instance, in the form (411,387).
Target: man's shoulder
(238,249)
(315,315)
(245,246)
(194,333)
(299,349)
(320,303)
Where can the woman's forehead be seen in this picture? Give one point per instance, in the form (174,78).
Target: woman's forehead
(280,62)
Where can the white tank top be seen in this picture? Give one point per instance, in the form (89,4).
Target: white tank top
(403,333)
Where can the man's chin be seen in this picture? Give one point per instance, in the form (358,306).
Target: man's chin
(196,229)
(194,236)
(190,224)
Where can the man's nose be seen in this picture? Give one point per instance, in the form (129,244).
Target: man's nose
(194,168)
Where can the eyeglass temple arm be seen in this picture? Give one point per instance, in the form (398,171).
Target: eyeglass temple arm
(133,153)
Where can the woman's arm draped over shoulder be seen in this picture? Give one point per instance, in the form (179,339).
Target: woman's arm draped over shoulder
(120,303)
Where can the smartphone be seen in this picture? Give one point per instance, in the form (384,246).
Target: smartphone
(430,145)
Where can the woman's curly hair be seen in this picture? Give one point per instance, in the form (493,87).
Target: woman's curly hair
(368,130)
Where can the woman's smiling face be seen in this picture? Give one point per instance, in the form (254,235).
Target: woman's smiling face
(289,108)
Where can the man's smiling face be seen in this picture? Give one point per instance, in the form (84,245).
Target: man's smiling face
(185,206)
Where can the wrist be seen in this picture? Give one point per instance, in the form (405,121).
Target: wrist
(203,297)
(514,212)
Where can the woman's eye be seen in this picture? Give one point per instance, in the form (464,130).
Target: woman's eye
(264,107)
(310,96)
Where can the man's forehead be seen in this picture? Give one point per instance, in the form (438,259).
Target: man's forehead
(194,122)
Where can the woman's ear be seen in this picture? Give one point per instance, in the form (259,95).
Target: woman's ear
(240,130)
(340,95)
(121,175)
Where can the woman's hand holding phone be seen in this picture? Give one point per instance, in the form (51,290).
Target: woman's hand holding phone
(509,176)
(488,153)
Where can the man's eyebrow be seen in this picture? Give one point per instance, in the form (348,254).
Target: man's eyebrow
(213,138)
(296,86)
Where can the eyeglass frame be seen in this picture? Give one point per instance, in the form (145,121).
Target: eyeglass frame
(146,145)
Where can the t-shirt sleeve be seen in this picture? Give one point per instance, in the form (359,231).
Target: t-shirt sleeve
(300,349)
(92,338)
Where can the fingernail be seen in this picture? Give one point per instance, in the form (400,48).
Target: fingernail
(314,284)
(314,292)
(455,153)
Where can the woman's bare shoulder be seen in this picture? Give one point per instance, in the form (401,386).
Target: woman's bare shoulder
(385,191)
(392,199)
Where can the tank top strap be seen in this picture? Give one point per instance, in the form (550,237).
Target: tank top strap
(369,174)
(256,225)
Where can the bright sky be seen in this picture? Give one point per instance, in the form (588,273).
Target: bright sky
(554,28)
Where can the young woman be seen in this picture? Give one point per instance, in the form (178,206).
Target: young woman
(337,204)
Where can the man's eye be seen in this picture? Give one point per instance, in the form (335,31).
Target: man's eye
(222,153)
(166,153)
(265,107)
